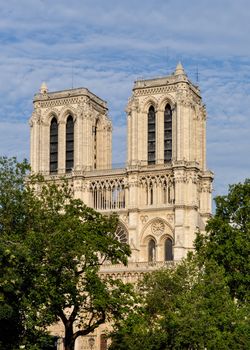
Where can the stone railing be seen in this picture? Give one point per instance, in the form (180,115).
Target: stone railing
(142,266)
(134,271)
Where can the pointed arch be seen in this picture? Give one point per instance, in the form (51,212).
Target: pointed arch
(47,118)
(53,151)
(149,101)
(166,99)
(66,112)
(146,231)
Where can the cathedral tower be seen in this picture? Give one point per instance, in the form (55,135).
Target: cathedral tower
(163,195)
(167,130)
(166,122)
(70,131)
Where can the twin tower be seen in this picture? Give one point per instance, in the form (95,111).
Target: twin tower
(163,195)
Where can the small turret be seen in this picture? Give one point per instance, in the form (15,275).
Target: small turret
(179,69)
(43,88)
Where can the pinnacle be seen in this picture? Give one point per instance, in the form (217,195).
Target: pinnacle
(179,69)
(43,88)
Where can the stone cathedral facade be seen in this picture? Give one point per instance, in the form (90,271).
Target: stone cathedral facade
(162,196)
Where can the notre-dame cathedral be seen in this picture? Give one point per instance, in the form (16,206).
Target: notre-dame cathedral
(162,196)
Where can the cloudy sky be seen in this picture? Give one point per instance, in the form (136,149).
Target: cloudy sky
(110,43)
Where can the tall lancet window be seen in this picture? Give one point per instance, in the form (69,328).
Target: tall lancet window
(151,135)
(167,134)
(53,152)
(69,144)
(168,249)
(151,250)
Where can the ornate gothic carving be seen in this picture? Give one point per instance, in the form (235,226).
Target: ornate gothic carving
(144,218)
(156,90)
(170,217)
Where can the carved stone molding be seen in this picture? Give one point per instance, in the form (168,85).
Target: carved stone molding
(144,218)
(155,90)
(170,217)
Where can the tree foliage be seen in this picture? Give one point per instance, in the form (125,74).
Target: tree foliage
(52,247)
(184,308)
(227,241)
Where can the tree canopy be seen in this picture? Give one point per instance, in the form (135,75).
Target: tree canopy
(184,308)
(52,247)
(227,239)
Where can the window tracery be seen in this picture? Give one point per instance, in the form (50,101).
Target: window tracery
(158,189)
(108,194)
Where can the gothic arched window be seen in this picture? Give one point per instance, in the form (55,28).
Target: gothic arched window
(168,249)
(53,152)
(167,133)
(121,234)
(151,135)
(151,250)
(69,144)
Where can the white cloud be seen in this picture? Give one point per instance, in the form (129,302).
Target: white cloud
(110,43)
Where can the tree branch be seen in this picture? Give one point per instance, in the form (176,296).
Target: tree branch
(90,329)
(62,317)
(73,314)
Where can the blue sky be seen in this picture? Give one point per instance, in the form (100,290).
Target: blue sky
(110,44)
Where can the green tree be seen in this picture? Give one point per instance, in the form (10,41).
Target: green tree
(227,239)
(12,221)
(184,308)
(52,247)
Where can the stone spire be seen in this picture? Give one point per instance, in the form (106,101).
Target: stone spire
(179,69)
(43,88)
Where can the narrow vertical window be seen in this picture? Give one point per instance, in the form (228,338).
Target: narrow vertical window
(168,249)
(151,196)
(53,165)
(167,134)
(151,250)
(69,144)
(151,135)
(103,342)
